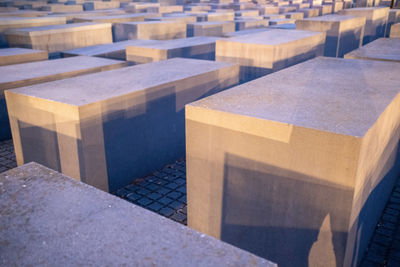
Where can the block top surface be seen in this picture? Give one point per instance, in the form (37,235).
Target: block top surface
(380,49)
(106,48)
(100,86)
(180,43)
(331,18)
(59,28)
(63,222)
(274,37)
(5,52)
(25,71)
(343,96)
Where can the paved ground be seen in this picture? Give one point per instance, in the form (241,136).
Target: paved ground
(164,192)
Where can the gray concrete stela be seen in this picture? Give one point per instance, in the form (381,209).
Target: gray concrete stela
(252,132)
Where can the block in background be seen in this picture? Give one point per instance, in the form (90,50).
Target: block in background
(10,56)
(110,128)
(297,166)
(384,49)
(115,50)
(157,30)
(343,33)
(7,23)
(202,47)
(210,28)
(61,37)
(261,53)
(376,19)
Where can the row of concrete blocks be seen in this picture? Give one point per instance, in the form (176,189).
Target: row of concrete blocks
(274,165)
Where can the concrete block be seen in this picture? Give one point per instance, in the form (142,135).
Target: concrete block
(310,12)
(385,49)
(294,15)
(395,31)
(250,23)
(157,30)
(323,9)
(7,23)
(249,31)
(298,171)
(96,5)
(178,18)
(376,19)
(394,17)
(218,16)
(210,28)
(13,76)
(108,129)
(9,56)
(59,8)
(117,18)
(202,47)
(113,51)
(61,37)
(59,221)
(343,33)
(262,53)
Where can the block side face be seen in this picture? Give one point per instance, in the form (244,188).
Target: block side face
(147,125)
(378,170)
(71,218)
(269,194)
(45,132)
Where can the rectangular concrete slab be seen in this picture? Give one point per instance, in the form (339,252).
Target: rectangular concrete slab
(343,33)
(210,28)
(156,30)
(115,50)
(62,222)
(13,76)
(9,56)
(376,19)
(296,166)
(261,53)
(108,129)
(202,47)
(61,37)
(385,49)
(7,23)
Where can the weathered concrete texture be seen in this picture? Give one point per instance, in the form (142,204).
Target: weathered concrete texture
(202,47)
(13,76)
(9,56)
(157,30)
(210,28)
(113,51)
(61,37)
(395,31)
(24,22)
(343,33)
(261,53)
(217,16)
(376,19)
(110,128)
(386,49)
(296,171)
(50,219)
